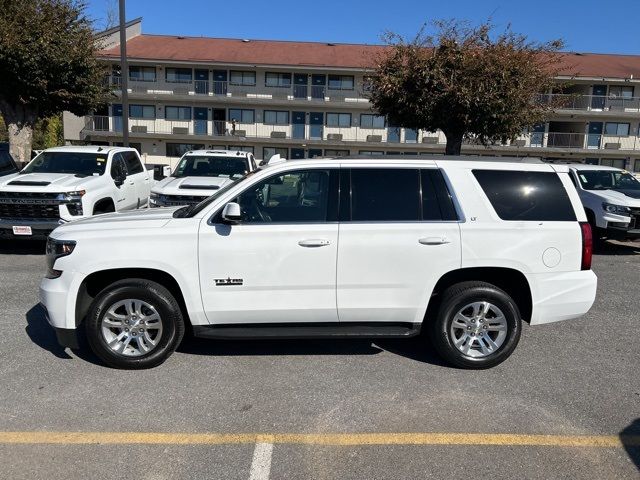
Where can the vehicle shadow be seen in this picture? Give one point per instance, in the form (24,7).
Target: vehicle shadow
(630,438)
(26,247)
(416,348)
(608,247)
(43,335)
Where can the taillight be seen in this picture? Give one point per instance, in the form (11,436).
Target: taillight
(587,245)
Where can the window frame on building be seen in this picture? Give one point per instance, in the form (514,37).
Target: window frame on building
(350,80)
(244,74)
(283,151)
(282,79)
(183,150)
(147,112)
(625,127)
(240,118)
(281,117)
(175,70)
(144,70)
(178,108)
(374,117)
(339,117)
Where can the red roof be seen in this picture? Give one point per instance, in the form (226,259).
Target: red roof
(310,54)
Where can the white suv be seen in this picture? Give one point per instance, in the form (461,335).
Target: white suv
(199,174)
(68,183)
(463,250)
(611,199)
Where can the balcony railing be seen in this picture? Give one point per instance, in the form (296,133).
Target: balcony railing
(309,93)
(604,103)
(389,136)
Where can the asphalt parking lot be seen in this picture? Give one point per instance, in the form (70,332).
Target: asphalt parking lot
(565,405)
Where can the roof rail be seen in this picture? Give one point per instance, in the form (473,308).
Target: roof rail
(461,158)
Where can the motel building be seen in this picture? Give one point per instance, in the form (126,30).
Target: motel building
(304,99)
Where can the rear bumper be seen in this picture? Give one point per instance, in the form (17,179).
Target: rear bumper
(562,296)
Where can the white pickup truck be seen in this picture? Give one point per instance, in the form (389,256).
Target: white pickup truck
(67,183)
(611,199)
(199,174)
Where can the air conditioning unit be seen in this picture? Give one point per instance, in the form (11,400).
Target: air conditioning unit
(138,129)
(374,138)
(334,136)
(278,134)
(430,140)
(518,143)
(181,130)
(612,146)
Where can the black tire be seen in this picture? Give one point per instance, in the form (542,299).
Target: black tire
(457,297)
(150,292)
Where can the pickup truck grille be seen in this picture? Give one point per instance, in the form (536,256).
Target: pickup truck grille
(178,200)
(29,205)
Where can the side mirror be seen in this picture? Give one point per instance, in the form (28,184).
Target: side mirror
(231,213)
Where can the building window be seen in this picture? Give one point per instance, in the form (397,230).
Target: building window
(341,82)
(636,166)
(177,113)
(613,162)
(338,119)
(268,152)
(241,148)
(142,111)
(237,77)
(241,115)
(371,153)
(625,91)
(336,153)
(368,120)
(618,129)
(178,75)
(273,117)
(179,149)
(277,79)
(410,136)
(142,74)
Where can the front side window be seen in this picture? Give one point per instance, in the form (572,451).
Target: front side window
(385,194)
(293,197)
(522,196)
(178,75)
(177,113)
(338,120)
(618,129)
(118,168)
(241,115)
(237,77)
(275,117)
(78,163)
(142,111)
(607,180)
(368,120)
(277,79)
(142,74)
(341,82)
(133,163)
(210,166)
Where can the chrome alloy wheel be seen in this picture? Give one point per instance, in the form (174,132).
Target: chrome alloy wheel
(479,329)
(131,327)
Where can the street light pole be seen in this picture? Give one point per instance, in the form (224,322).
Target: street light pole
(124,72)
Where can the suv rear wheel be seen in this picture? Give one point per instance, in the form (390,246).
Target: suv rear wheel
(134,324)
(477,326)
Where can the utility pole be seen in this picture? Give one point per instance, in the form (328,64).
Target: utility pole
(124,72)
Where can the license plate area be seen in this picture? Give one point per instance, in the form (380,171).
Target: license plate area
(22,230)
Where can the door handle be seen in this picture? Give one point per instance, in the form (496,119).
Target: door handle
(315,242)
(434,240)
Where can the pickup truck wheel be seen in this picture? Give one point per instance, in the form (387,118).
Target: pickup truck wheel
(477,326)
(134,324)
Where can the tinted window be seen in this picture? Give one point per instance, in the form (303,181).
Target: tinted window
(5,161)
(293,197)
(79,163)
(385,194)
(209,166)
(133,164)
(536,196)
(118,169)
(436,200)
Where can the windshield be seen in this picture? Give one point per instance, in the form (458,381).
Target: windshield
(607,180)
(208,166)
(191,210)
(79,163)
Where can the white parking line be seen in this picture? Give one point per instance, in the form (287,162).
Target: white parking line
(261,463)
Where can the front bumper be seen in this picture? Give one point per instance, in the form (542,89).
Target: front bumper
(40,228)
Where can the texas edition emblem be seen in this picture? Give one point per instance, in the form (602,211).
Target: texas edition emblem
(225,282)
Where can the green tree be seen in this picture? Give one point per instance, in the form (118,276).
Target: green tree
(466,81)
(47,65)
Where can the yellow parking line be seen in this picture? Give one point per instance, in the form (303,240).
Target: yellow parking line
(150,438)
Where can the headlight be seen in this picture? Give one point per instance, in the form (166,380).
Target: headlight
(616,209)
(154,200)
(57,249)
(72,196)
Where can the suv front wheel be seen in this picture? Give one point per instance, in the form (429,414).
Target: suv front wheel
(478,325)
(134,324)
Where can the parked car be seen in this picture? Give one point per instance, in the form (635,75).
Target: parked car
(611,199)
(199,174)
(464,250)
(68,183)
(7,164)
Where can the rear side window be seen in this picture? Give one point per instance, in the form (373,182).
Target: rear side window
(133,164)
(436,200)
(385,194)
(534,196)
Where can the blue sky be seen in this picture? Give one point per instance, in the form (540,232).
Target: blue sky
(587,25)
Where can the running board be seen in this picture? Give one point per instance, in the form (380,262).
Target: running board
(310,330)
